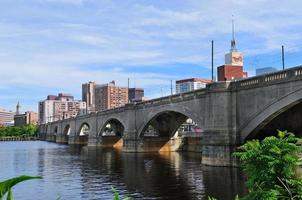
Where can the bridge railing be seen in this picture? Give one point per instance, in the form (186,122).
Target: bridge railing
(270,78)
(174,98)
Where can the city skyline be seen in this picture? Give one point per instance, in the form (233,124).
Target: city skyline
(53,46)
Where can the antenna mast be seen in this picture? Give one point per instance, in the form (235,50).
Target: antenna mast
(233,42)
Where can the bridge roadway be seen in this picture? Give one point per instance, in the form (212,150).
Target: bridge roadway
(229,113)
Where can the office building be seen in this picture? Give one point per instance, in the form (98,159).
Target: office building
(136,95)
(88,95)
(6,117)
(60,107)
(187,85)
(265,70)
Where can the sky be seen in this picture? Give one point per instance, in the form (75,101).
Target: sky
(53,46)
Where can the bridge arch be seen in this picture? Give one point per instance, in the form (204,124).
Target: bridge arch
(157,132)
(66,133)
(270,113)
(182,110)
(66,130)
(111,133)
(84,129)
(112,127)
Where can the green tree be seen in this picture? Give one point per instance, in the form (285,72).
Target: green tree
(25,131)
(270,165)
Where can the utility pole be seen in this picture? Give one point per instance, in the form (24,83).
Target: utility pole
(212,61)
(128,89)
(171,88)
(283,57)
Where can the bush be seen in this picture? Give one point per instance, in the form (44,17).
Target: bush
(27,130)
(270,165)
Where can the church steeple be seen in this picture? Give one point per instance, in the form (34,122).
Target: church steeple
(233,41)
(18,108)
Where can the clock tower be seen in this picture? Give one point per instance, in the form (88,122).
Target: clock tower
(233,67)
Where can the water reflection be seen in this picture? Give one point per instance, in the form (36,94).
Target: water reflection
(88,173)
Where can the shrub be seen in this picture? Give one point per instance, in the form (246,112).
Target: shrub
(270,165)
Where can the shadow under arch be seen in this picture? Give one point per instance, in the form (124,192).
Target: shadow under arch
(56,130)
(161,133)
(83,133)
(283,114)
(66,133)
(111,133)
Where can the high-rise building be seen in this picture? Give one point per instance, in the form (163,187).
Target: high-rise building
(108,96)
(136,94)
(26,118)
(187,85)
(265,70)
(88,95)
(60,107)
(233,67)
(6,117)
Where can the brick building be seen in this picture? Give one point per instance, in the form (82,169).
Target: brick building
(60,107)
(26,119)
(108,96)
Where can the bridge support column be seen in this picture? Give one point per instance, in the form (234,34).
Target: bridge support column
(60,139)
(51,137)
(78,139)
(131,143)
(93,141)
(218,147)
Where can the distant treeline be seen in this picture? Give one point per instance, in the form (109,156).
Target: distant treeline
(27,130)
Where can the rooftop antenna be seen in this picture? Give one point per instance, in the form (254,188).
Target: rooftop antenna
(233,42)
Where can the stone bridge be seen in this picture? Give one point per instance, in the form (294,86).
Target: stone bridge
(229,113)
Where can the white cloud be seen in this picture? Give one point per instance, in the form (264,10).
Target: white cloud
(59,47)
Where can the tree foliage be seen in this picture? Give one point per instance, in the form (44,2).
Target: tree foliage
(27,130)
(270,165)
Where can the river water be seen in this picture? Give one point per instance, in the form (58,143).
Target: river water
(74,173)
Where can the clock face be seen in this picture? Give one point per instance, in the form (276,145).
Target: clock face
(237,59)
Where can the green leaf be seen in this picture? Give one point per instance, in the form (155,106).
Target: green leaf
(10,195)
(6,185)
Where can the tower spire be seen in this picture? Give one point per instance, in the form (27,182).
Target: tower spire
(233,42)
(18,108)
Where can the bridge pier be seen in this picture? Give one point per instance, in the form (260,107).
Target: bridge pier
(50,138)
(83,140)
(60,139)
(131,142)
(218,147)
(218,155)
(93,141)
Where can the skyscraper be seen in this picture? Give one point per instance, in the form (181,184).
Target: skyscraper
(88,95)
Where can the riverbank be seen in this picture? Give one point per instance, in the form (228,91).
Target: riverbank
(17,138)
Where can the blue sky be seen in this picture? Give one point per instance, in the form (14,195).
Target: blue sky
(52,46)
